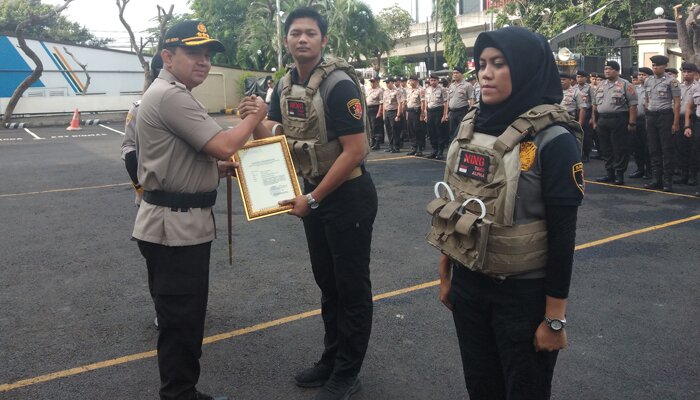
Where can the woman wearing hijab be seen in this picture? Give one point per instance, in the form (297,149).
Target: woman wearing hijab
(506,278)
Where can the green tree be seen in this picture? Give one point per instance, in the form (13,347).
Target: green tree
(58,29)
(395,22)
(455,50)
(224,20)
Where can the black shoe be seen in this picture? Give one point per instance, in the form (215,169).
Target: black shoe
(692,181)
(412,152)
(396,150)
(697,194)
(203,396)
(619,178)
(636,174)
(419,153)
(667,184)
(338,388)
(315,376)
(432,155)
(375,146)
(605,179)
(653,185)
(389,150)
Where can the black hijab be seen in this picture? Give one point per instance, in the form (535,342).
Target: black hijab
(534,76)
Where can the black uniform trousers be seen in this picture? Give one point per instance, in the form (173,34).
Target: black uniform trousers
(376,124)
(393,128)
(614,141)
(639,146)
(413,127)
(695,153)
(178,280)
(660,142)
(339,236)
(588,133)
(684,150)
(455,117)
(436,130)
(496,323)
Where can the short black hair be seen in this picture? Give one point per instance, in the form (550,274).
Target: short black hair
(306,12)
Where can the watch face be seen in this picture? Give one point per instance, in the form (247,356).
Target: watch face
(556,325)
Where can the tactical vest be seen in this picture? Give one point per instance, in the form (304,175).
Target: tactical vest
(492,218)
(304,117)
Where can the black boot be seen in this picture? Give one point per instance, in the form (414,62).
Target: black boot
(607,178)
(389,149)
(692,179)
(439,155)
(375,144)
(655,183)
(636,174)
(413,151)
(433,154)
(681,180)
(667,184)
(619,178)
(419,152)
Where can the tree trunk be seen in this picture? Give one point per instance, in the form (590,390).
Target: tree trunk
(84,68)
(121,4)
(689,35)
(36,74)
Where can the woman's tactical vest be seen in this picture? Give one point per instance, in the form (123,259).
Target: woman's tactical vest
(492,217)
(304,117)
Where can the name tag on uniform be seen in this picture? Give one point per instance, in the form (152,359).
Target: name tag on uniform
(296,109)
(473,165)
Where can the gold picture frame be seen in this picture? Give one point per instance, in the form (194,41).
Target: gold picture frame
(266,175)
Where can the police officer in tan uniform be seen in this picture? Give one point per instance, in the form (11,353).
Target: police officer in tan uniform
(414,111)
(639,140)
(374,112)
(573,100)
(684,144)
(691,130)
(436,106)
(589,136)
(616,103)
(392,108)
(178,146)
(663,98)
(460,94)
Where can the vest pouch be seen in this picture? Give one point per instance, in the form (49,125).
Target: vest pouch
(445,217)
(312,159)
(517,249)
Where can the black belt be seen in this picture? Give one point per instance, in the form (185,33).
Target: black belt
(659,112)
(180,200)
(434,109)
(458,109)
(370,106)
(414,109)
(623,114)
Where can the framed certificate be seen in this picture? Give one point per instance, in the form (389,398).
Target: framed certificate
(266,175)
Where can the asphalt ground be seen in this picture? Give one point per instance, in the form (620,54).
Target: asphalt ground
(76,317)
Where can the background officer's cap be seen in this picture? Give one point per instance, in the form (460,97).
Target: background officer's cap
(613,64)
(686,66)
(671,70)
(659,59)
(374,79)
(458,69)
(646,70)
(433,76)
(402,79)
(471,77)
(390,79)
(413,77)
(567,76)
(582,73)
(191,33)
(594,74)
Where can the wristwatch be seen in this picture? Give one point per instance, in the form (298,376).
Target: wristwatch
(555,324)
(313,204)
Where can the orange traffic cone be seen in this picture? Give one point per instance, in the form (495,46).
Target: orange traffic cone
(75,122)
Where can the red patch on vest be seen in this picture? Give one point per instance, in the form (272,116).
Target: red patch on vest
(473,165)
(355,108)
(296,109)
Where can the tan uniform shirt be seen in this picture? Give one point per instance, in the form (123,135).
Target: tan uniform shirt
(171,129)
(587,93)
(686,96)
(617,96)
(459,94)
(129,143)
(392,98)
(573,100)
(414,97)
(660,92)
(374,97)
(435,97)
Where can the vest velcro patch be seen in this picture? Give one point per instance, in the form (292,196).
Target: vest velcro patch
(355,108)
(528,151)
(296,109)
(473,165)
(577,172)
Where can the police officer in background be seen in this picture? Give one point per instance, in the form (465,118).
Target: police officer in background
(616,102)
(477,88)
(414,111)
(586,91)
(436,104)
(178,146)
(460,94)
(684,144)
(691,130)
(639,139)
(340,203)
(662,99)
(129,143)
(392,108)
(573,100)
(374,111)
(402,86)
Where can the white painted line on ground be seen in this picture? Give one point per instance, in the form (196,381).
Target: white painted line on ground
(12,139)
(32,133)
(113,130)
(78,136)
